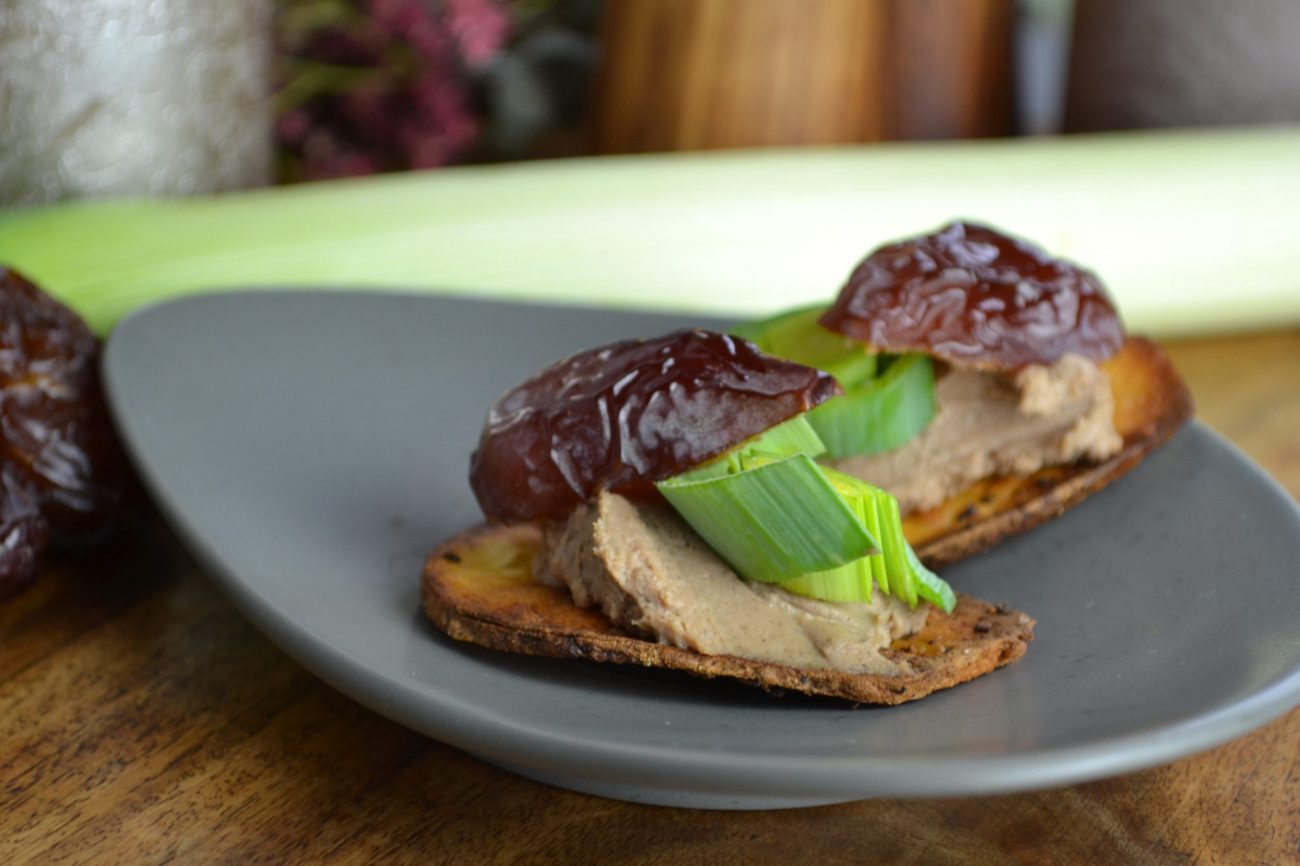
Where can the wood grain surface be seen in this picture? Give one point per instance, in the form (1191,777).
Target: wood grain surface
(142,720)
(703,74)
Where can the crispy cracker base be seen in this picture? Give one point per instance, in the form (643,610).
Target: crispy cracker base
(1151,402)
(478,587)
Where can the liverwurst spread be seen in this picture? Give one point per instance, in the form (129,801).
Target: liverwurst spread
(650,573)
(988,424)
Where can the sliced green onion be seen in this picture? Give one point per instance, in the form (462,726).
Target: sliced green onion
(881,414)
(931,586)
(777,517)
(776,520)
(755,330)
(758,330)
(877,412)
(773,521)
(849,582)
(871,512)
(896,570)
(893,547)
(795,436)
(796,336)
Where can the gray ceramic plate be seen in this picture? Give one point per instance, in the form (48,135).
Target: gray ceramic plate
(312,447)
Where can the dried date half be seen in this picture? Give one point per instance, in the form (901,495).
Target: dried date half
(58,450)
(23,535)
(623,416)
(976,298)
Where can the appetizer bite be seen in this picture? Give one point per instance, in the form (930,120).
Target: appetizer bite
(657,502)
(988,385)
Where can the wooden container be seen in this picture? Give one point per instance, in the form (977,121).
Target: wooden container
(703,74)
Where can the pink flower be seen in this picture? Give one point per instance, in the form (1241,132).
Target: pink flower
(480,28)
(396,17)
(293,126)
(391,88)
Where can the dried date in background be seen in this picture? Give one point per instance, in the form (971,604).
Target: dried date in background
(976,297)
(65,478)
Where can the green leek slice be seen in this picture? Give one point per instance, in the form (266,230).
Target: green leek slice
(888,400)
(896,570)
(931,586)
(851,581)
(893,550)
(796,336)
(791,437)
(881,414)
(773,520)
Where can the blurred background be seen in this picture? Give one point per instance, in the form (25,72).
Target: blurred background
(120,97)
(730,156)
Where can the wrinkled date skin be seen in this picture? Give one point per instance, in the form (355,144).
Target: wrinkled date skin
(64,473)
(628,414)
(977,298)
(24,533)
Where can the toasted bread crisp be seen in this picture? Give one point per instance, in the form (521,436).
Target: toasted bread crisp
(479,587)
(1151,402)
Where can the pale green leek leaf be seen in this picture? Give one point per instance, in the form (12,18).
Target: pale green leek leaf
(773,521)
(1167,219)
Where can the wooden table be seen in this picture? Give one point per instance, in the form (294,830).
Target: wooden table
(142,720)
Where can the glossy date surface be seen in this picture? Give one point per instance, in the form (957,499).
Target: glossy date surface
(24,533)
(977,298)
(64,473)
(623,416)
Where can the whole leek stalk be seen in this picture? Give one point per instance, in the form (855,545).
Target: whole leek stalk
(1167,219)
